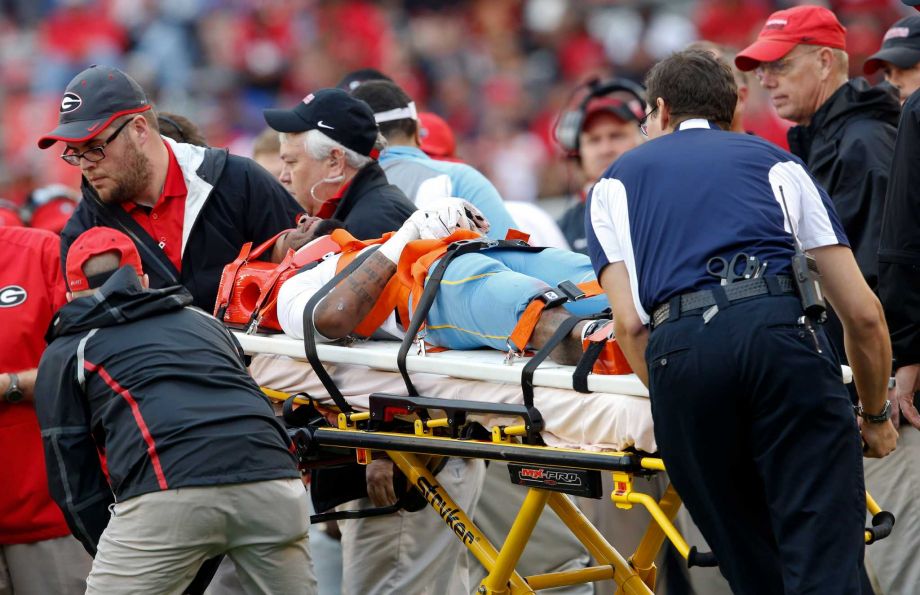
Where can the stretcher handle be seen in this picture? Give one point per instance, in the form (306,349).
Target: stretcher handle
(882,524)
(701,559)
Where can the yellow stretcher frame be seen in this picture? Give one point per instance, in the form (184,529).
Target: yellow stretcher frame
(635,575)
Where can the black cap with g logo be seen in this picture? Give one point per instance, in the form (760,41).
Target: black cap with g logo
(92,101)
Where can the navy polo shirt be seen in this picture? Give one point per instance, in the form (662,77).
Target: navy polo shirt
(668,206)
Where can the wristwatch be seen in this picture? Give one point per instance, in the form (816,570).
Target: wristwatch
(13,393)
(882,417)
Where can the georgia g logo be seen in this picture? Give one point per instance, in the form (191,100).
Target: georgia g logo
(12,295)
(70,102)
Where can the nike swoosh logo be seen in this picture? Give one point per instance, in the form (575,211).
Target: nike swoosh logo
(321,125)
(93,127)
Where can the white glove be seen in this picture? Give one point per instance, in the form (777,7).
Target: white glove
(442,218)
(445,216)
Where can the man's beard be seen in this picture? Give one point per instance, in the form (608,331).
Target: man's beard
(133,180)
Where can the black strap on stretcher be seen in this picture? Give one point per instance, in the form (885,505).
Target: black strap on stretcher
(433,284)
(309,338)
(538,358)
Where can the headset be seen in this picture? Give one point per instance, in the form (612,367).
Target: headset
(568,126)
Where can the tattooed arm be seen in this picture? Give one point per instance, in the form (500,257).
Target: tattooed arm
(349,302)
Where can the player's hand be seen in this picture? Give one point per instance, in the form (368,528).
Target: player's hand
(906,379)
(379,475)
(880,439)
(445,216)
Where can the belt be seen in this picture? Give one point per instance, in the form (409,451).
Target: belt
(733,292)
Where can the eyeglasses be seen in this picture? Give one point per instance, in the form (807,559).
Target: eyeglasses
(643,123)
(96,153)
(779,67)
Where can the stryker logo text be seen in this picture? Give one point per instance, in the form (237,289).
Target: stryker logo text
(430,491)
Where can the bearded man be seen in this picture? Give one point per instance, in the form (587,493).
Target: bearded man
(188,209)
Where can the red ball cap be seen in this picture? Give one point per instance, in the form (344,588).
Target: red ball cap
(785,29)
(437,139)
(96,241)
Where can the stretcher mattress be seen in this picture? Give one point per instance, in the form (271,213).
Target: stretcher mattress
(616,415)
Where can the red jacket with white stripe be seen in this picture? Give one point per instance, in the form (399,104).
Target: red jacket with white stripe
(161,389)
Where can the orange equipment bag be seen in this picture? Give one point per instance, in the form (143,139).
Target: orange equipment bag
(248,293)
(611,359)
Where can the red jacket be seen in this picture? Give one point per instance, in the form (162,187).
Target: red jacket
(31,290)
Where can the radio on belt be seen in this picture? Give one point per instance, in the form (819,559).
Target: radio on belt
(806,275)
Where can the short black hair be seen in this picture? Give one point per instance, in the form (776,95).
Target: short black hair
(383,96)
(694,84)
(356,78)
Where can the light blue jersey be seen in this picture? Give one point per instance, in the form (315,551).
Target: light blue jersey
(424,179)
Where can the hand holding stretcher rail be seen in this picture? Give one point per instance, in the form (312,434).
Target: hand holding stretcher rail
(431,435)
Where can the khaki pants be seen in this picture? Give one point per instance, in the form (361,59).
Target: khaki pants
(411,553)
(156,542)
(894,482)
(56,566)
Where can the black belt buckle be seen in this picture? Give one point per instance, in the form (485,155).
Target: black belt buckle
(571,291)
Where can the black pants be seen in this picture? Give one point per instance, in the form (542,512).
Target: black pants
(760,440)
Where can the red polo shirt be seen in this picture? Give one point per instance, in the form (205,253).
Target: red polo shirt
(164,221)
(31,290)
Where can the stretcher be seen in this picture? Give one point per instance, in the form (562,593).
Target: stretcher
(557,444)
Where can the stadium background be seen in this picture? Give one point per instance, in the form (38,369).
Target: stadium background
(499,71)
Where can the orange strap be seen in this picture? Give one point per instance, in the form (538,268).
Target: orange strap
(418,257)
(523,330)
(516,234)
(526,324)
(591,288)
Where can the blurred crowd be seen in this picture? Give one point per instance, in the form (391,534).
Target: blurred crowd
(499,71)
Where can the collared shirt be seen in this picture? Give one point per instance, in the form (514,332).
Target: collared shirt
(327,209)
(164,220)
(669,206)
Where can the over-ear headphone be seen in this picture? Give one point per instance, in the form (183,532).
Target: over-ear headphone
(568,126)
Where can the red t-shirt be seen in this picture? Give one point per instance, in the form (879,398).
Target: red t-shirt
(31,290)
(164,221)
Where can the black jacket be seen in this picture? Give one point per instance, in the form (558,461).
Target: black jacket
(158,387)
(848,147)
(231,200)
(372,206)
(899,247)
